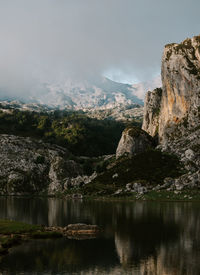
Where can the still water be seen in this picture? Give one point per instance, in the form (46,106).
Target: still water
(139,238)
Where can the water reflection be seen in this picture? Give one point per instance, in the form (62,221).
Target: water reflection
(139,238)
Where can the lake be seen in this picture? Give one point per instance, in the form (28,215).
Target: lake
(157,238)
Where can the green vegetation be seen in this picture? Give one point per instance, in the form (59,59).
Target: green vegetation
(74,130)
(192,195)
(13,233)
(14,227)
(164,195)
(7,242)
(150,168)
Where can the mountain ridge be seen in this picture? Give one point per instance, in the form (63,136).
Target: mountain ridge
(98,93)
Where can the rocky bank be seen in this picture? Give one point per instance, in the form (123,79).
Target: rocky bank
(29,166)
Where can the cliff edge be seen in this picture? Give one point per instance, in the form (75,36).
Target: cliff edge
(173,111)
(178,102)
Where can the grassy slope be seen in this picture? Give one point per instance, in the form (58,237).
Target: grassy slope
(14,227)
(150,168)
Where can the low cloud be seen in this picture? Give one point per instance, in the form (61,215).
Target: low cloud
(48,40)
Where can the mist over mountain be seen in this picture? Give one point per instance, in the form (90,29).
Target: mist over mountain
(99,92)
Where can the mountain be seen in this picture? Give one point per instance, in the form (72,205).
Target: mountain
(86,94)
(98,93)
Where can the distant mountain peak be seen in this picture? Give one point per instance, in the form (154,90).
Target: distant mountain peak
(97,93)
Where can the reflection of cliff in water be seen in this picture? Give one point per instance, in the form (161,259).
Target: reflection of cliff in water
(163,241)
(148,238)
(60,255)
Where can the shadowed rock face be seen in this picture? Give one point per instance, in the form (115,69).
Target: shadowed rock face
(133,141)
(152,111)
(179,101)
(29,167)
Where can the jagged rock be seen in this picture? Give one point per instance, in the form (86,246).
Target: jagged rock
(152,111)
(79,180)
(115,176)
(167,182)
(119,192)
(134,140)
(189,154)
(77,196)
(28,166)
(180,97)
(136,187)
(174,112)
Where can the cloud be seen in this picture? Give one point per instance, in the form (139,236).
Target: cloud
(48,40)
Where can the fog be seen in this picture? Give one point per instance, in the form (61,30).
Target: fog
(50,40)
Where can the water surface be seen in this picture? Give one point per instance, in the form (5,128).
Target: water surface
(138,238)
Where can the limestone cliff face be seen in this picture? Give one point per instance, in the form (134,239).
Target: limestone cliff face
(178,104)
(134,140)
(29,166)
(152,111)
(174,112)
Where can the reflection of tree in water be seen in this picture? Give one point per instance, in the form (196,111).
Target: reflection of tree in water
(154,238)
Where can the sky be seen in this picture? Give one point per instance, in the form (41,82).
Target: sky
(50,40)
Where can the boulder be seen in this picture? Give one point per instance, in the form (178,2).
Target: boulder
(133,141)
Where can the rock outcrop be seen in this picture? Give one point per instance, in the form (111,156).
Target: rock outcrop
(176,108)
(134,140)
(173,113)
(152,111)
(28,166)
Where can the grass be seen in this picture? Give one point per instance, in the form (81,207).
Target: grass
(150,168)
(13,227)
(13,233)
(162,195)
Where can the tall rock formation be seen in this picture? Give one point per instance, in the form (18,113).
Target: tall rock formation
(152,111)
(175,110)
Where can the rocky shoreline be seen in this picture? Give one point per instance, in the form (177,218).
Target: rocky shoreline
(16,236)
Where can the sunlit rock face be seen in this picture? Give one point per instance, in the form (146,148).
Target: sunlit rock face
(179,101)
(174,112)
(134,140)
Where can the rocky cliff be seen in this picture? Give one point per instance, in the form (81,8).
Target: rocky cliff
(173,112)
(29,166)
(175,108)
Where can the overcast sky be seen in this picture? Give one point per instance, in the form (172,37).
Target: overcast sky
(48,40)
